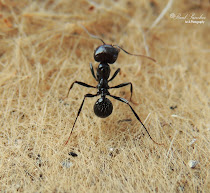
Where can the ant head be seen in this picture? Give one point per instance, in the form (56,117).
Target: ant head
(106,54)
(103,107)
(109,53)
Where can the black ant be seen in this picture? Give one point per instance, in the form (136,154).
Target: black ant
(105,55)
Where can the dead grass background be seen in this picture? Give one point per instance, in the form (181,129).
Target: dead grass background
(43,50)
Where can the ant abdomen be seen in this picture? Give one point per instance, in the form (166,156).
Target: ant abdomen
(103,107)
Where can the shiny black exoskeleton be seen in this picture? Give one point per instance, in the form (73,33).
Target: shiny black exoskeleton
(105,55)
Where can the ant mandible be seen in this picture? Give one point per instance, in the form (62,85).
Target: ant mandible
(105,55)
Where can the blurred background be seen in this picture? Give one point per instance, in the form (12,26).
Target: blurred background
(44,49)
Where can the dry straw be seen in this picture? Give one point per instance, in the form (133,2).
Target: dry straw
(44,49)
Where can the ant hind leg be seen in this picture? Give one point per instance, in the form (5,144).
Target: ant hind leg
(137,117)
(78,113)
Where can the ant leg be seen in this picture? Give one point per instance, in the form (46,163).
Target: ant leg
(92,71)
(126,102)
(114,75)
(87,95)
(80,83)
(122,85)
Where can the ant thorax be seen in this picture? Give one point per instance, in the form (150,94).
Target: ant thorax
(103,71)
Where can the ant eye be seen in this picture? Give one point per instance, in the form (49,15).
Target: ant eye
(106,54)
(103,107)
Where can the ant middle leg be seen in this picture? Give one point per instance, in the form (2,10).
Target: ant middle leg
(124,84)
(137,117)
(80,83)
(78,113)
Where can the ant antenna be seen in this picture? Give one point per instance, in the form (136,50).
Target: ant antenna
(135,54)
(91,35)
(96,37)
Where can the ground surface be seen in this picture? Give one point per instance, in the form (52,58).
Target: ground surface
(44,49)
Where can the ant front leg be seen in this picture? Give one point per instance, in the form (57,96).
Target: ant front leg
(80,83)
(92,71)
(124,84)
(137,117)
(87,95)
(114,75)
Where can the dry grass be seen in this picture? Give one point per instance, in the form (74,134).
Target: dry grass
(43,50)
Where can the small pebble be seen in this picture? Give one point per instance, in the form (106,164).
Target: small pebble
(192,163)
(73,154)
(66,164)
(38,160)
(192,142)
(181,188)
(18,143)
(111,151)
(173,107)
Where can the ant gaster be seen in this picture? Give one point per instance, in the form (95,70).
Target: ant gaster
(105,55)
